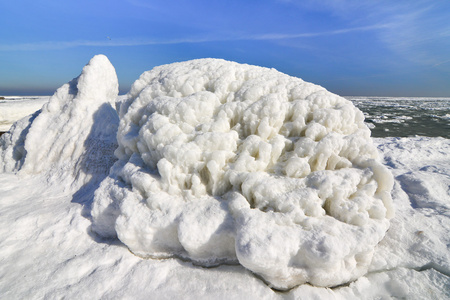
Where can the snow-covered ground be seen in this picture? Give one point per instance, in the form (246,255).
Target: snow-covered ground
(61,206)
(15,108)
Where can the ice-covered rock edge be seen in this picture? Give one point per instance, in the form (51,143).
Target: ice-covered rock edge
(120,208)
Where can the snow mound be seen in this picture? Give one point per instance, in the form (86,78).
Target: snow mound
(227,163)
(74,133)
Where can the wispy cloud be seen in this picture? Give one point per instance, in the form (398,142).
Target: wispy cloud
(418,31)
(60,45)
(315,34)
(107,42)
(441,63)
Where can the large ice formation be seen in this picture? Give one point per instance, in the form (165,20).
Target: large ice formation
(221,162)
(71,134)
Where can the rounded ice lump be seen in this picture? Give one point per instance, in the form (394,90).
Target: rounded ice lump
(221,162)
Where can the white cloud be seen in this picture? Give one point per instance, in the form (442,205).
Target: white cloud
(59,45)
(442,63)
(314,34)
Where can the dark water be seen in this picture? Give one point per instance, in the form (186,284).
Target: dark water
(405,117)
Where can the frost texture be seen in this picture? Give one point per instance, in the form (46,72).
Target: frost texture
(73,134)
(223,162)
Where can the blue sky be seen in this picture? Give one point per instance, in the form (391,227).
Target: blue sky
(351,47)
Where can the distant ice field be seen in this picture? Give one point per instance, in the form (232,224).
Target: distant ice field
(14,108)
(405,116)
(386,116)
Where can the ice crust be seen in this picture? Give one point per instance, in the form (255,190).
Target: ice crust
(221,162)
(70,137)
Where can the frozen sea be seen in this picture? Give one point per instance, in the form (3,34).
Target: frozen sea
(53,166)
(385,116)
(405,116)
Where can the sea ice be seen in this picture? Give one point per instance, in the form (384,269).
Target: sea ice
(223,162)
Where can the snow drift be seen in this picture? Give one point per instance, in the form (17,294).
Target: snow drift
(227,163)
(73,135)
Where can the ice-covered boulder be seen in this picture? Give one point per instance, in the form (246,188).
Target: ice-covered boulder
(73,134)
(224,162)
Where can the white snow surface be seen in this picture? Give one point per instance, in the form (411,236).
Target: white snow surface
(13,110)
(255,215)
